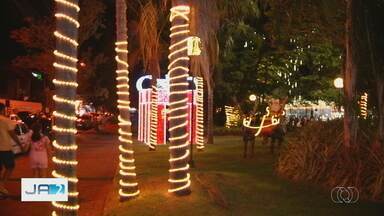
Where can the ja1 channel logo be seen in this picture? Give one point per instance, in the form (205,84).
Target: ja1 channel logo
(44,189)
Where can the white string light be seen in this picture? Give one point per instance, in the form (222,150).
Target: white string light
(72,147)
(364,105)
(65,162)
(67,11)
(275,120)
(70,179)
(178,107)
(153,135)
(200,114)
(232,116)
(128,184)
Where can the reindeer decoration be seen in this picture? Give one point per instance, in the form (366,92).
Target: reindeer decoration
(270,126)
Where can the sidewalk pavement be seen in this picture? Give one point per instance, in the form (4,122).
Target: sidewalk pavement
(98,159)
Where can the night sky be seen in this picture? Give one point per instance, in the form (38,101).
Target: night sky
(14,12)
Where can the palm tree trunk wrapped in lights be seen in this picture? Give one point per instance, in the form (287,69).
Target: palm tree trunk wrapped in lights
(153,135)
(128,184)
(65,81)
(179,177)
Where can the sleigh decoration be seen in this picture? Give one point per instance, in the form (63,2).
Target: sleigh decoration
(269,121)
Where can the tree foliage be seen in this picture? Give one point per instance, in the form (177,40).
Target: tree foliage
(38,41)
(280,48)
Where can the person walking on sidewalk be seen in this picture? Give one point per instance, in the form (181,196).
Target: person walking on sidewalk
(40,149)
(7,158)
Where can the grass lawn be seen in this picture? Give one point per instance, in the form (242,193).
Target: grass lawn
(223,183)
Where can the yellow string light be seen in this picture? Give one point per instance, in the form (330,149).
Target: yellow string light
(200,114)
(72,147)
(64,116)
(127,182)
(69,4)
(70,179)
(66,207)
(68,18)
(178,108)
(64,56)
(364,105)
(63,83)
(65,38)
(65,67)
(275,120)
(64,130)
(153,135)
(232,116)
(64,100)
(67,11)
(64,162)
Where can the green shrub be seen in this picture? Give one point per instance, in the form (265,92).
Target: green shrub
(316,154)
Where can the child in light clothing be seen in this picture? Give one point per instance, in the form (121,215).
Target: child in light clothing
(40,148)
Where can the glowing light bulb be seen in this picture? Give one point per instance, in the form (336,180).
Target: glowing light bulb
(363,105)
(153,134)
(200,114)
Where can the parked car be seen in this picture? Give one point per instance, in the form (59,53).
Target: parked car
(27,117)
(24,135)
(15,118)
(46,124)
(85,122)
(109,124)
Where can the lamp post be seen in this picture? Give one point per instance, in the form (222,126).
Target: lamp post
(339,84)
(253,98)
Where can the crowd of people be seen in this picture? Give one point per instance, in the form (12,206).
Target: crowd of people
(294,122)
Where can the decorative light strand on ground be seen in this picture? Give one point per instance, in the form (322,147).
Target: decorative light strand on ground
(128,184)
(364,105)
(153,135)
(178,73)
(65,82)
(200,114)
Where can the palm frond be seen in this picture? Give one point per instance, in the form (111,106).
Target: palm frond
(149,38)
(204,24)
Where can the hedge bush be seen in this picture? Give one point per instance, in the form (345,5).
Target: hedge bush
(316,154)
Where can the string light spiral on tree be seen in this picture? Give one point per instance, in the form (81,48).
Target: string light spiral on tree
(153,135)
(364,105)
(232,116)
(128,184)
(65,81)
(200,114)
(179,176)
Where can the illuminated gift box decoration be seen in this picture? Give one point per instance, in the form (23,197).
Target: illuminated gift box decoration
(144,109)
